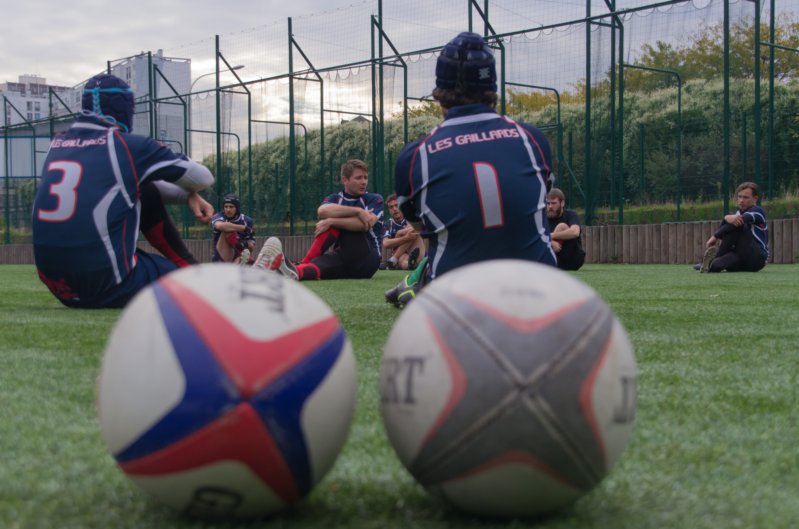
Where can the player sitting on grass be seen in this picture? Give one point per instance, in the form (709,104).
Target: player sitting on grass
(476,186)
(100,185)
(564,229)
(348,236)
(405,243)
(740,244)
(234,233)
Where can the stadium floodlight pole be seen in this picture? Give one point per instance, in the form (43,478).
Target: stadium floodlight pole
(191,90)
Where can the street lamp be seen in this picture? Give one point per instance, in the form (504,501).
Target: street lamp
(191,90)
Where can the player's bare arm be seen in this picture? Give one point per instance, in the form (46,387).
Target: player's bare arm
(564,234)
(200,207)
(357,223)
(229,227)
(329,211)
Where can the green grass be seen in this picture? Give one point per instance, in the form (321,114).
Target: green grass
(716,443)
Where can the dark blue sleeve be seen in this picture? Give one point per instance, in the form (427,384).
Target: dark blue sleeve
(404,184)
(374,202)
(755,216)
(153,160)
(249,233)
(218,216)
(543,154)
(330,199)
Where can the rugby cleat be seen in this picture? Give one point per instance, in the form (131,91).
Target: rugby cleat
(707,259)
(271,257)
(403,293)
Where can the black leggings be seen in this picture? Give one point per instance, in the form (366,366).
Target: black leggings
(353,259)
(571,255)
(158,228)
(738,253)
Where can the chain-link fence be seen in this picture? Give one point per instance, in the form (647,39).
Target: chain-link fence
(672,103)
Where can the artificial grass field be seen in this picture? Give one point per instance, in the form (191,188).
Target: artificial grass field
(716,443)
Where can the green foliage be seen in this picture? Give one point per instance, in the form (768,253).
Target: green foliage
(655,115)
(714,444)
(652,126)
(429,108)
(782,207)
(652,123)
(699,57)
(315,178)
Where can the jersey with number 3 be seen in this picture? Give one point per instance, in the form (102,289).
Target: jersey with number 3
(86,210)
(478,184)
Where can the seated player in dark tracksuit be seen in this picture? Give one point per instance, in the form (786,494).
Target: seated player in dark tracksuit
(740,244)
(476,185)
(101,184)
(348,236)
(564,230)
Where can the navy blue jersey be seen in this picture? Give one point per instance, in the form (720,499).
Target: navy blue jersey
(755,222)
(370,202)
(478,184)
(246,236)
(86,210)
(392,227)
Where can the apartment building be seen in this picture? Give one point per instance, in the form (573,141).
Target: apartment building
(29,99)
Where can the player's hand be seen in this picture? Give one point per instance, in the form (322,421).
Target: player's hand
(368,218)
(202,210)
(322,226)
(711,241)
(734,219)
(557,246)
(411,235)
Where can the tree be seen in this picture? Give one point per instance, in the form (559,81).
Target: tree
(424,108)
(700,58)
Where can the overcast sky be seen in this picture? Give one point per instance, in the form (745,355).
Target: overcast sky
(66,42)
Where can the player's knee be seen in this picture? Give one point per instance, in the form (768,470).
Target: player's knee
(560,227)
(232,239)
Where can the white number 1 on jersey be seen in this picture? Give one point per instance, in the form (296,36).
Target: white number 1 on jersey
(487,181)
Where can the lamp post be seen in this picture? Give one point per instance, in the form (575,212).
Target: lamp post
(191,90)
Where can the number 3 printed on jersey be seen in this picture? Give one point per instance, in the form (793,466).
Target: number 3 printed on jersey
(64,191)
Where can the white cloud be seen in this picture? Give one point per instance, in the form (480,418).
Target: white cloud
(68,42)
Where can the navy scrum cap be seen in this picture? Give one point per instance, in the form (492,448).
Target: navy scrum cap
(109,96)
(232,199)
(467,62)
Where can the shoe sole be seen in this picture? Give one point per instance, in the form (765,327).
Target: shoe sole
(707,259)
(279,265)
(269,254)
